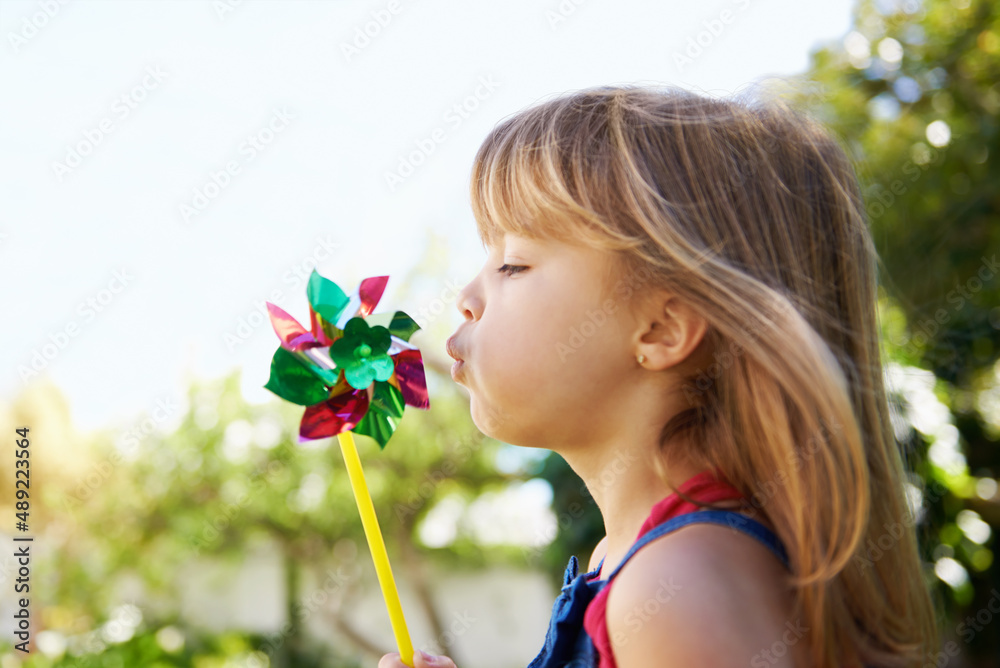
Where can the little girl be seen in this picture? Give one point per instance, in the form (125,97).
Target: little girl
(679,298)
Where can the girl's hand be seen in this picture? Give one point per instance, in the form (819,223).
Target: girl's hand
(420,660)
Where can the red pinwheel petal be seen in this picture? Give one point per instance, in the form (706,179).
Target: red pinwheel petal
(293,335)
(412,383)
(333,416)
(370,291)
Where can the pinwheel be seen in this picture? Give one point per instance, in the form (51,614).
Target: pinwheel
(353,371)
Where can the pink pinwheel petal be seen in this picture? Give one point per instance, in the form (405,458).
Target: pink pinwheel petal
(293,336)
(410,374)
(370,291)
(333,416)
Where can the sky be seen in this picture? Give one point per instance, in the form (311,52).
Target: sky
(167,167)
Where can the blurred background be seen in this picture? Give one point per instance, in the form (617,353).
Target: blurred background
(167,167)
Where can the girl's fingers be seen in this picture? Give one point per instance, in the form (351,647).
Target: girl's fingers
(421,660)
(392,660)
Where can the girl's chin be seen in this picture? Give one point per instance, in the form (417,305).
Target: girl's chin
(485,418)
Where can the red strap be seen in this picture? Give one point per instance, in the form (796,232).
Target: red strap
(707,487)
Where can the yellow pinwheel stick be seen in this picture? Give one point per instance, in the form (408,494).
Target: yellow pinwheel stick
(376,546)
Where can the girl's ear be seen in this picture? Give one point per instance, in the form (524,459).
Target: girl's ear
(670,333)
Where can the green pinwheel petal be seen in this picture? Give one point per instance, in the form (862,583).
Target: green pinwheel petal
(326,297)
(342,352)
(380,339)
(358,331)
(383,367)
(360,375)
(376,425)
(293,382)
(399,324)
(356,327)
(388,399)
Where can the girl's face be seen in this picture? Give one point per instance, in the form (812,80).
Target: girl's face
(546,348)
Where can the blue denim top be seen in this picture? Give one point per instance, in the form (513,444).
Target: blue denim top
(567,643)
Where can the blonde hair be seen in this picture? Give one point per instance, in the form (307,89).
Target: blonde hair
(751,212)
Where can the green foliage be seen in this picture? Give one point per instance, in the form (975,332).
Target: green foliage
(149,650)
(920,114)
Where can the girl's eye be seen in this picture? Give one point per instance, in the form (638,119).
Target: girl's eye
(510,269)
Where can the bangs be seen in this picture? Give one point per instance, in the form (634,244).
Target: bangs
(532,177)
(512,189)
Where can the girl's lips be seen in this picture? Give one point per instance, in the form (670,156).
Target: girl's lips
(456,368)
(451,348)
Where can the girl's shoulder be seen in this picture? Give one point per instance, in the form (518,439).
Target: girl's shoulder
(698,582)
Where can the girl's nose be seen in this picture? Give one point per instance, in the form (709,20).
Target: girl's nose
(469,303)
